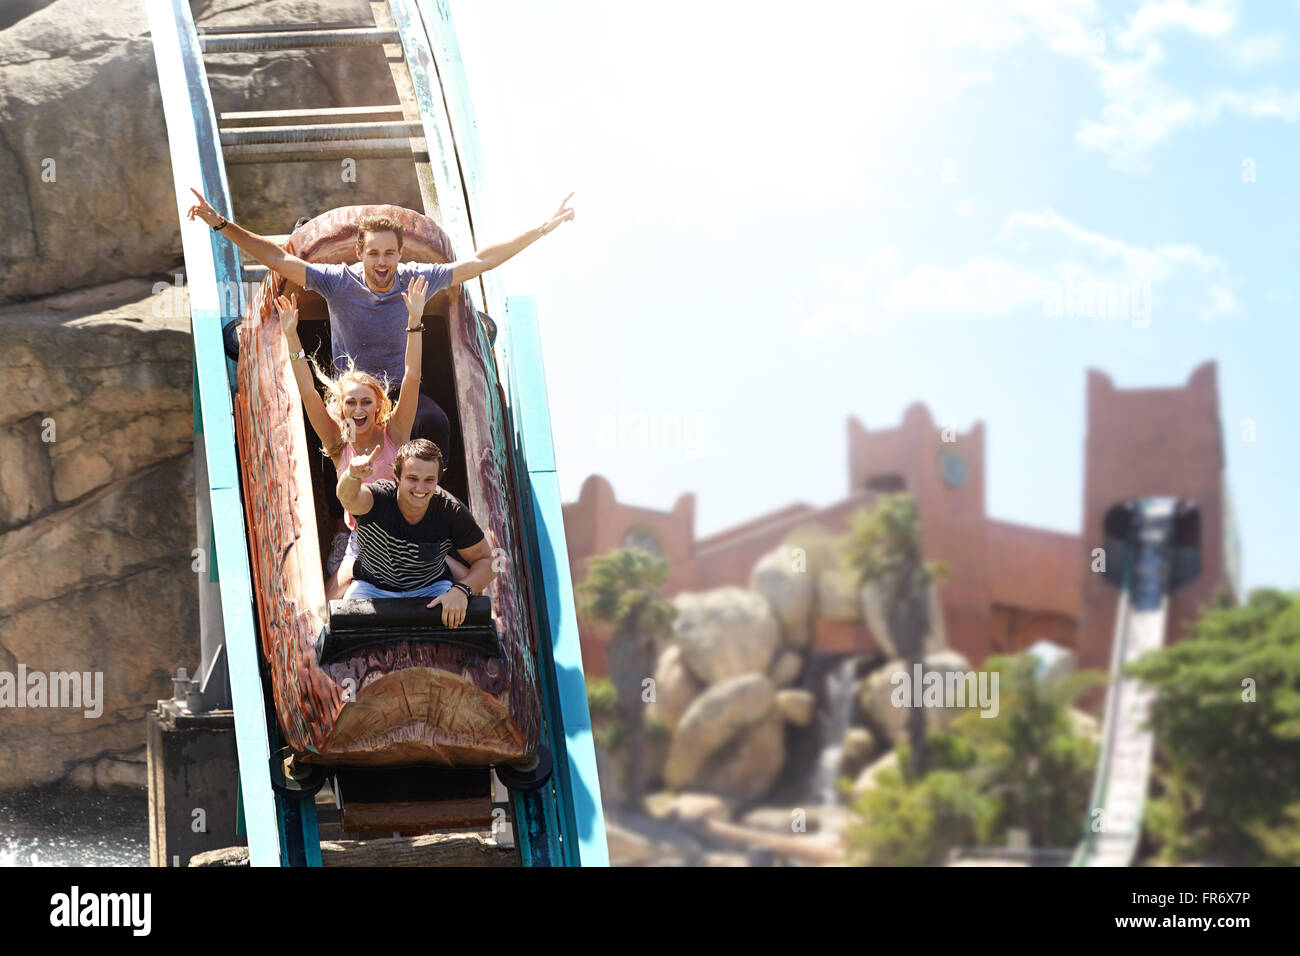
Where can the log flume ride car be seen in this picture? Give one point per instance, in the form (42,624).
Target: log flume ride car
(382,683)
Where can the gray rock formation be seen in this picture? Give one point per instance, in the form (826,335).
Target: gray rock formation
(725,633)
(876,697)
(89,196)
(96,523)
(789,590)
(675,687)
(730,741)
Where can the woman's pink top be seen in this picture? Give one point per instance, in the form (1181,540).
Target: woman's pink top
(383,469)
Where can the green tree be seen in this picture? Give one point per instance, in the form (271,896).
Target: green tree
(1027,767)
(883,547)
(622,589)
(1226,719)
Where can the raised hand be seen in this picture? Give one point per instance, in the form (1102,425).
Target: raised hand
(563,214)
(453,604)
(361,466)
(417,291)
(287,306)
(203,210)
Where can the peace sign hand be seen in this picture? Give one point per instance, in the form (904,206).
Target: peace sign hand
(416,293)
(362,466)
(287,306)
(203,210)
(563,214)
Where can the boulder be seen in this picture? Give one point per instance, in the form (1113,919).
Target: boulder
(730,741)
(876,696)
(687,807)
(869,778)
(786,668)
(857,749)
(89,195)
(675,687)
(837,596)
(796,706)
(789,588)
(725,633)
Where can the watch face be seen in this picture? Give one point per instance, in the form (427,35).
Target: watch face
(953,468)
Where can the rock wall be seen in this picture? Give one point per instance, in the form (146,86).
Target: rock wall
(83,142)
(96,523)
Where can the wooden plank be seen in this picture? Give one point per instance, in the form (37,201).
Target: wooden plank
(434,849)
(196,160)
(438,26)
(391,111)
(405,87)
(410,815)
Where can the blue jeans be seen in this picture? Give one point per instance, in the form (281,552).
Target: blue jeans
(364,589)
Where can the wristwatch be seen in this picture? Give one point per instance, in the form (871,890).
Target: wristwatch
(469,593)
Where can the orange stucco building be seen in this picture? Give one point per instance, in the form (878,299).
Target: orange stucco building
(1008,585)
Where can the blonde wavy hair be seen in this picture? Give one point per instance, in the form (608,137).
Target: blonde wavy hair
(334,387)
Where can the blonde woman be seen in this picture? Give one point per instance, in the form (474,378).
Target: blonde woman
(356,417)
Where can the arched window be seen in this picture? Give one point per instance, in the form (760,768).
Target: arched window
(889,483)
(644,539)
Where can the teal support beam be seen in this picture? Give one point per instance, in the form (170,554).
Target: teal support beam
(564,691)
(213,275)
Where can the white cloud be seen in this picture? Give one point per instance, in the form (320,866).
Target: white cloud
(1142,108)
(1045,254)
(1211,18)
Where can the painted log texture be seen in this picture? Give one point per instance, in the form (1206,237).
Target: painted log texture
(405,702)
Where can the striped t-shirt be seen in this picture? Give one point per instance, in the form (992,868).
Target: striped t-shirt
(396,555)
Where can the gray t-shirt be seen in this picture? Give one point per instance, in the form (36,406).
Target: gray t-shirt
(369,326)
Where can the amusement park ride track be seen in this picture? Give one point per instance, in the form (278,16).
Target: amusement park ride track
(534,689)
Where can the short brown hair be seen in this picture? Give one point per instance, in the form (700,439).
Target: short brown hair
(420,448)
(367,224)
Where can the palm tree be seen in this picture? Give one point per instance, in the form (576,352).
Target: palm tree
(883,547)
(622,589)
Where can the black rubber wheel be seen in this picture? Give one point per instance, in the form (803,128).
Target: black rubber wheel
(527,777)
(230,339)
(295,780)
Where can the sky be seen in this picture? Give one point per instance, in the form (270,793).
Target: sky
(788,216)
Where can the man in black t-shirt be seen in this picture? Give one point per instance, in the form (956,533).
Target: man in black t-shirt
(405,530)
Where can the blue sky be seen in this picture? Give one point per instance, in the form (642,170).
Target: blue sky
(786,220)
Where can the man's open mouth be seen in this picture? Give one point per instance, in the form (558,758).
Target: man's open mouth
(419,494)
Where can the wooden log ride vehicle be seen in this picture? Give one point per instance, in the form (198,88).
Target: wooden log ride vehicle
(383,683)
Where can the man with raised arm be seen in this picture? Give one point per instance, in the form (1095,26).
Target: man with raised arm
(367,313)
(405,530)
